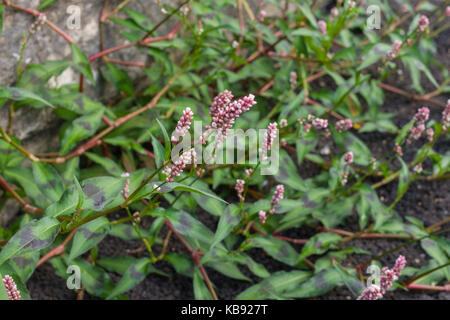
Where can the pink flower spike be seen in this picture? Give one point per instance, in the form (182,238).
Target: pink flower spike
(239,187)
(400,264)
(262,216)
(293,79)
(319,123)
(348,158)
(344,125)
(394,50)
(422,115)
(430,134)
(283,123)
(446,116)
(372,292)
(322,26)
(277,196)
(261,15)
(183,125)
(269,137)
(423,23)
(447,11)
(334,12)
(11,288)
(177,167)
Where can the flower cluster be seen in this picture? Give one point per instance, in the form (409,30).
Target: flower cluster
(239,187)
(136,218)
(126,187)
(317,123)
(423,23)
(277,196)
(334,13)
(223,112)
(447,11)
(344,125)
(348,158)
(387,278)
(11,288)
(269,137)
(293,79)
(419,125)
(261,15)
(394,50)
(446,116)
(283,123)
(398,150)
(183,125)
(262,216)
(322,27)
(178,166)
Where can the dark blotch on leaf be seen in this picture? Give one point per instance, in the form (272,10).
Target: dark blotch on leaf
(307,203)
(90,235)
(22,262)
(185,223)
(135,274)
(85,125)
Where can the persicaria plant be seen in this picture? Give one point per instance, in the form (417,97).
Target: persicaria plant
(165,180)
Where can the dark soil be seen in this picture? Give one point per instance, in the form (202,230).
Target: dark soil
(427,201)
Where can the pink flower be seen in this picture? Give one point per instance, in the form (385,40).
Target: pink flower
(422,115)
(372,292)
(183,125)
(334,13)
(307,127)
(446,116)
(423,23)
(319,123)
(239,187)
(322,27)
(344,179)
(344,125)
(430,134)
(398,149)
(293,79)
(348,158)
(223,112)
(387,278)
(283,123)
(261,15)
(447,11)
(262,216)
(418,168)
(178,166)
(136,218)
(248,172)
(277,196)
(126,187)
(269,137)
(11,288)
(351,4)
(394,50)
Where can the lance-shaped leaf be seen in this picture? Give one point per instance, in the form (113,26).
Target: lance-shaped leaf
(95,280)
(277,248)
(433,249)
(24,265)
(201,291)
(319,244)
(158,150)
(132,277)
(187,225)
(34,236)
(109,165)
(48,180)
(81,62)
(120,264)
(287,173)
(66,205)
(319,284)
(212,205)
(128,232)
(404,179)
(88,236)
(81,128)
(19,94)
(36,75)
(229,219)
(101,191)
(274,286)
(257,268)
(229,269)
(181,263)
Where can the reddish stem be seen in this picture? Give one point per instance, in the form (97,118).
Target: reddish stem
(27,207)
(58,250)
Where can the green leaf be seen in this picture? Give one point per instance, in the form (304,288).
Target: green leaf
(128,232)
(24,265)
(116,264)
(119,78)
(81,128)
(36,75)
(158,150)
(140,19)
(101,191)
(110,165)
(304,7)
(34,236)
(287,173)
(277,248)
(46,3)
(182,264)
(206,200)
(19,94)
(433,249)
(81,63)
(228,220)
(167,143)
(319,243)
(319,284)
(404,179)
(88,236)
(201,291)
(229,269)
(187,225)
(48,180)
(66,205)
(274,286)
(132,277)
